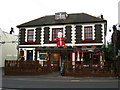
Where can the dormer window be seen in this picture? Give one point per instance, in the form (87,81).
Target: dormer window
(60,16)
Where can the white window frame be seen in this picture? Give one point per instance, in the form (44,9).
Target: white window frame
(26,38)
(53,27)
(93,31)
(38,58)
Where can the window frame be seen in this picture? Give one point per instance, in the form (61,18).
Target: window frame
(27,35)
(88,33)
(55,34)
(45,58)
(84,39)
(60,16)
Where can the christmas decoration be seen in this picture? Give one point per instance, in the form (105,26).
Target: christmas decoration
(60,39)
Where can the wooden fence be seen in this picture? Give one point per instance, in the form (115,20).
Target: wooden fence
(80,69)
(14,67)
(117,64)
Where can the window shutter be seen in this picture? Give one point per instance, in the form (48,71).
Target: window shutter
(46,35)
(38,35)
(98,33)
(68,34)
(22,36)
(78,34)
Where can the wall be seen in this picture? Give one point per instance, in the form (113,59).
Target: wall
(0,55)
(73,34)
(8,50)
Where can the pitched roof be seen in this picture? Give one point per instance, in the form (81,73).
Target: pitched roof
(71,19)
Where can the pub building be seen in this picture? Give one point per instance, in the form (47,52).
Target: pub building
(76,37)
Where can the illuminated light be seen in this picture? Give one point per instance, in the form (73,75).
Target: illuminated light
(84,47)
(82,59)
(74,47)
(55,47)
(47,47)
(93,47)
(55,55)
(65,46)
(39,47)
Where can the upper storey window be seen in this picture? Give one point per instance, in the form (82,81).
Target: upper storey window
(88,33)
(30,35)
(55,33)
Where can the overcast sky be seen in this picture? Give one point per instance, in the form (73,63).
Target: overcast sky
(15,12)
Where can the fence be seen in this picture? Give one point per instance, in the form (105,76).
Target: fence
(117,64)
(80,69)
(14,67)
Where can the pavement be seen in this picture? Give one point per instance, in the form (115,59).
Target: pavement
(55,80)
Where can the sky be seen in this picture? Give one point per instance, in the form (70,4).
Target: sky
(16,12)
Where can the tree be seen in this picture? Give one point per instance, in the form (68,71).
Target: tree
(117,42)
(109,52)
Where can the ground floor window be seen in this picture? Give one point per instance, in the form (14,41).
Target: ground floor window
(54,56)
(43,56)
(95,58)
(88,57)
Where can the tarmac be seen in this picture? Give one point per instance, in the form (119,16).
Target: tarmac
(55,80)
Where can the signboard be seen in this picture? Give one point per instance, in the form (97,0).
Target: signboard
(43,56)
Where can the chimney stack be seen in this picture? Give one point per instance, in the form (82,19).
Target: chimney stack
(11,31)
(102,17)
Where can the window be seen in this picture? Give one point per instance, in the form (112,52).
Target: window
(63,15)
(88,33)
(60,16)
(55,33)
(43,56)
(30,35)
(57,16)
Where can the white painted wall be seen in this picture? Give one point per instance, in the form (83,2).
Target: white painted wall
(8,50)
(0,55)
(25,52)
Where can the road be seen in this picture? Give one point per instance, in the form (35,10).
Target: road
(55,80)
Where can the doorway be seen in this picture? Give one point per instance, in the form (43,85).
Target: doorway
(29,54)
(65,57)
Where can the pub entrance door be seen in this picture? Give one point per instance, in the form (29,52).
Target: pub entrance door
(64,57)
